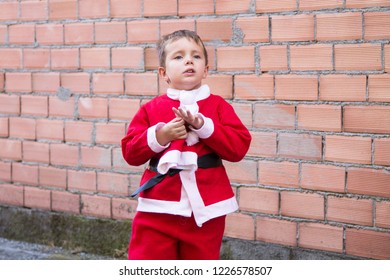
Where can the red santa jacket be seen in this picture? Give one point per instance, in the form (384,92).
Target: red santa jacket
(204,192)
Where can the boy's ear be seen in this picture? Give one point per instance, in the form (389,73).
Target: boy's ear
(206,71)
(163,74)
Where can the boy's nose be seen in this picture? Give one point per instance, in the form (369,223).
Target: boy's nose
(189,60)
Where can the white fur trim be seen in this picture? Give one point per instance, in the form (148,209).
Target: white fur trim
(178,160)
(206,130)
(152,140)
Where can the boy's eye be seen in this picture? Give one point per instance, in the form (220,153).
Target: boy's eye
(197,56)
(178,57)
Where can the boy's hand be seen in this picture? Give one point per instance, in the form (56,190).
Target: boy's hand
(173,130)
(194,120)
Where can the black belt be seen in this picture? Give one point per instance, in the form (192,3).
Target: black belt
(206,161)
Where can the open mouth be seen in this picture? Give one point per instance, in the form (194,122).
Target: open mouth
(189,71)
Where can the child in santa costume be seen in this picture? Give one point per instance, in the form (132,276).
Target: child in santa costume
(185,193)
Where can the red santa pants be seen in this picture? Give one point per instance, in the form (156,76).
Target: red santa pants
(169,237)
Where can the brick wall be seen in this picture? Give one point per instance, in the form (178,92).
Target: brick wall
(310,79)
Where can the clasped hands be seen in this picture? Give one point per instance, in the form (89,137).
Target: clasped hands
(177,127)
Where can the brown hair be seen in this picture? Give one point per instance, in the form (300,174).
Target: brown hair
(166,39)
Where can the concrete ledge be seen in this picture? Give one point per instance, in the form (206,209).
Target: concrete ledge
(111,237)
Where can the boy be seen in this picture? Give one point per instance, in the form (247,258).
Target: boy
(185,193)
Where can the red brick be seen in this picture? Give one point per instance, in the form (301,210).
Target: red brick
(259,200)
(276,231)
(5,172)
(21,34)
(125,8)
(37,198)
(95,58)
(45,82)
(339,26)
(65,59)
(3,35)
(244,112)
(219,29)
(343,87)
(143,31)
(358,57)
(311,57)
(155,8)
(281,174)
(274,116)
(61,154)
(49,34)
(243,172)
(383,214)
(232,7)
(227,58)
(25,174)
(321,237)
(151,59)
(171,25)
(319,117)
(200,7)
(269,6)
(65,202)
(10,149)
(78,33)
(108,83)
(110,32)
(323,177)
(10,104)
(382,151)
(33,10)
(2,82)
(348,149)
(367,119)
(95,157)
(4,127)
(253,87)
(240,226)
(301,146)
(35,152)
(22,128)
(221,85)
(141,84)
(93,107)
(110,133)
(10,194)
(320,5)
(50,129)
(123,209)
(61,108)
(34,105)
(122,109)
(63,9)
(350,210)
(273,58)
(96,206)
(387,58)
(93,8)
(52,177)
(76,82)
(377,25)
(111,183)
(369,182)
(302,205)
(78,132)
(367,243)
(18,82)
(9,11)
(119,164)
(128,57)
(82,180)
(364,4)
(378,88)
(263,144)
(11,58)
(36,58)
(293,28)
(296,87)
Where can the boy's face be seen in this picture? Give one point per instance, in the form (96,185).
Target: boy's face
(185,65)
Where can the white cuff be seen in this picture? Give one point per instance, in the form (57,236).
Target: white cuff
(152,140)
(206,130)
